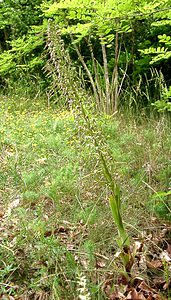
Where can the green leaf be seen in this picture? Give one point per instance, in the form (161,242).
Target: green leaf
(161,194)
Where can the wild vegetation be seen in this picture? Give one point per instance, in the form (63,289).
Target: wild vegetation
(85,141)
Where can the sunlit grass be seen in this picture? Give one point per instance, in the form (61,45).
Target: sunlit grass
(62,219)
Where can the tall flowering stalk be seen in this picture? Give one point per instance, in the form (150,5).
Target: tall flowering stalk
(67,83)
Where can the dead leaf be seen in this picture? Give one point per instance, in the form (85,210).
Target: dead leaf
(62,229)
(158,297)
(169,250)
(137,247)
(135,282)
(108,283)
(166,285)
(100,264)
(134,295)
(117,296)
(154,264)
(13,205)
(146,288)
(123,279)
(150,297)
(42,161)
(70,247)
(159,282)
(7,297)
(1,214)
(165,256)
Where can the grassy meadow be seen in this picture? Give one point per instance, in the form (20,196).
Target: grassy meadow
(58,238)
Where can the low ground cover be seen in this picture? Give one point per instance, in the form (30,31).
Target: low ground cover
(58,239)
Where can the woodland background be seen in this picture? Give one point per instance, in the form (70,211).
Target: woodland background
(122,49)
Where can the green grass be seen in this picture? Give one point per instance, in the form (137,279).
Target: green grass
(61,228)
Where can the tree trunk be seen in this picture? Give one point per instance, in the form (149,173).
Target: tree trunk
(107,82)
(88,72)
(114,89)
(99,89)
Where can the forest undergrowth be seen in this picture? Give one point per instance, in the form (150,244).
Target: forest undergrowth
(58,239)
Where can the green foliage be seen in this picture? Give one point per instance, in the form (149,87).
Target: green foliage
(17,16)
(22,39)
(160,205)
(128,27)
(157,52)
(164,104)
(7,64)
(93,26)
(23,54)
(95,19)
